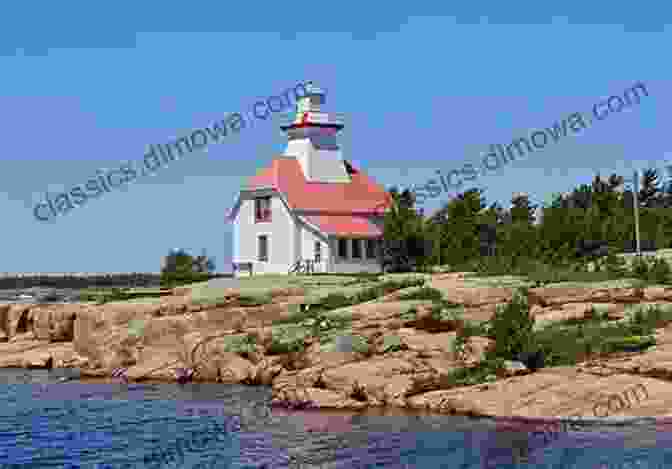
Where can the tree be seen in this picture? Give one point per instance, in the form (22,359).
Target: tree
(599,185)
(582,196)
(615,182)
(177,260)
(404,233)
(650,188)
(179,267)
(522,211)
(458,223)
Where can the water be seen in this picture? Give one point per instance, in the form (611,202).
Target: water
(39,295)
(45,424)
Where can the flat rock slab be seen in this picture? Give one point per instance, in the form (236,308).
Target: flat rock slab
(20,354)
(656,363)
(555,393)
(158,364)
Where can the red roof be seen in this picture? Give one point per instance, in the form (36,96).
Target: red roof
(360,196)
(350,225)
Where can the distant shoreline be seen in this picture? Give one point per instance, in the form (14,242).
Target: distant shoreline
(77,281)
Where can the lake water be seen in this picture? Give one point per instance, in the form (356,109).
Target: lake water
(39,295)
(46,424)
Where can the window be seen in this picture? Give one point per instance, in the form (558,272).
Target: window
(342,248)
(262,209)
(356,248)
(371,248)
(262,249)
(318,251)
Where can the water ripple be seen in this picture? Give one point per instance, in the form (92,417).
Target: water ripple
(96,425)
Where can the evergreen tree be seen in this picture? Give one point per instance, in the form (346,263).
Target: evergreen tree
(648,194)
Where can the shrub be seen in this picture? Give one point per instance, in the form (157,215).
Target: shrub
(424,293)
(511,327)
(410,315)
(659,271)
(290,338)
(321,325)
(255,300)
(568,343)
(615,264)
(391,343)
(176,279)
(481,373)
(385,288)
(241,344)
(651,269)
(105,296)
(639,268)
(317,323)
(334,301)
(651,316)
(447,311)
(628,344)
(360,344)
(470,329)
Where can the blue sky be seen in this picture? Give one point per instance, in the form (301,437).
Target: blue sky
(88,87)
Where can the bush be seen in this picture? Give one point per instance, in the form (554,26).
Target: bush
(447,311)
(255,300)
(318,324)
(290,338)
(659,271)
(360,344)
(651,269)
(566,343)
(615,264)
(334,301)
(511,327)
(176,279)
(241,344)
(410,315)
(391,343)
(385,288)
(652,316)
(628,344)
(481,373)
(470,329)
(639,268)
(424,293)
(105,296)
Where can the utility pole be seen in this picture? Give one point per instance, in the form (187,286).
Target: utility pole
(635,207)
(635,203)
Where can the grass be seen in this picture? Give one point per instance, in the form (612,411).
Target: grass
(568,344)
(441,310)
(287,338)
(255,300)
(481,373)
(315,286)
(391,343)
(319,320)
(109,295)
(498,281)
(423,293)
(564,343)
(653,269)
(245,344)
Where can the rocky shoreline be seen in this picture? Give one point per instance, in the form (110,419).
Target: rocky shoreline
(229,343)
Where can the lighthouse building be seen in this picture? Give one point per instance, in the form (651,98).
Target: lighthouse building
(309,210)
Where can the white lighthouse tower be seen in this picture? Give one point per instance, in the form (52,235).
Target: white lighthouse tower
(312,139)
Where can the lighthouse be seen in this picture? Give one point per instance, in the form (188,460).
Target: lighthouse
(312,139)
